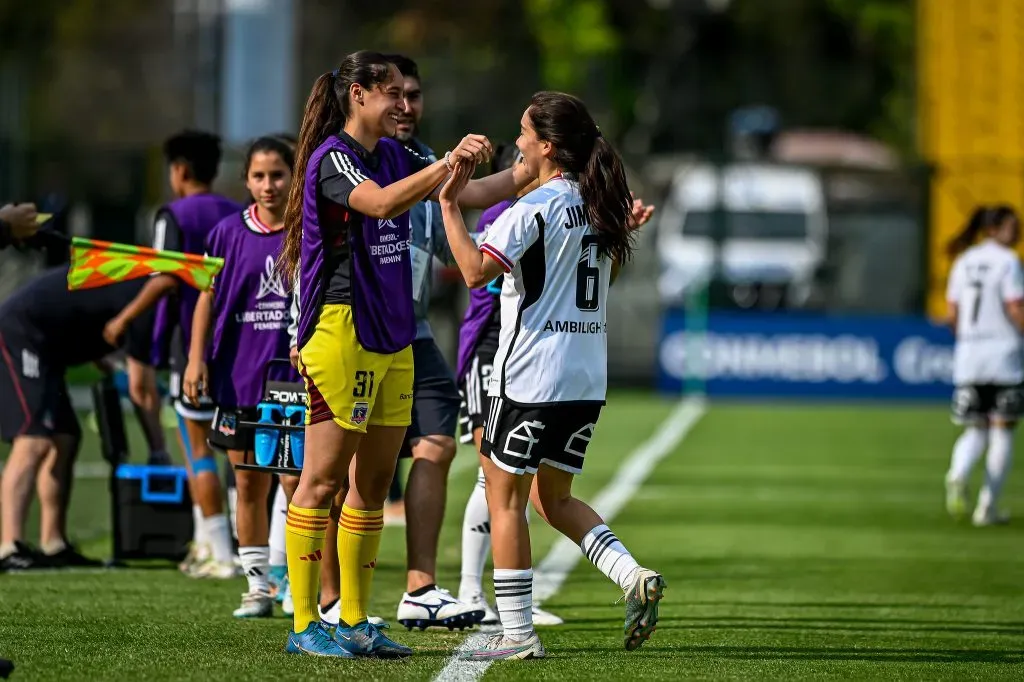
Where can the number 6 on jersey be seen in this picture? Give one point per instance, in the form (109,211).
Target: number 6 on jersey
(588,276)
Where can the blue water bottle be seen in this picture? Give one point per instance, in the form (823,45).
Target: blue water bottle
(296,416)
(267,438)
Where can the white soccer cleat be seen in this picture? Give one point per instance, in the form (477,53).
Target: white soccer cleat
(989,516)
(287,604)
(437,608)
(956,498)
(479,601)
(501,648)
(197,555)
(545,618)
(332,616)
(212,569)
(255,605)
(642,599)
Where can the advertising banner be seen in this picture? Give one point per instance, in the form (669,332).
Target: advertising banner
(806,356)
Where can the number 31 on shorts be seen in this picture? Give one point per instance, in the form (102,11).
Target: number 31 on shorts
(364,384)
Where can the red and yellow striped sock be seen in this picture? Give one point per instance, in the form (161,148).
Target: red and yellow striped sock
(304,541)
(358,542)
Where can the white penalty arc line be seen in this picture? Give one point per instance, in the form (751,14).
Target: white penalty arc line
(565,554)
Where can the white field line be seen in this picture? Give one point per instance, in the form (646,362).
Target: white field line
(565,554)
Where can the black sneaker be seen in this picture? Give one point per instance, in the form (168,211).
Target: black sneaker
(69,557)
(24,558)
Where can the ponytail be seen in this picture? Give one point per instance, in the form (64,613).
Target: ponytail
(606,196)
(326,111)
(983,218)
(323,117)
(579,148)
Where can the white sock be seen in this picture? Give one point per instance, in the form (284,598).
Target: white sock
(256,564)
(54,546)
(610,556)
(476,541)
(997,466)
(513,592)
(198,527)
(278,555)
(967,451)
(219,538)
(232,508)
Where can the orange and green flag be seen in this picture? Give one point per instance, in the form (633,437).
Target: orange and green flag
(97,263)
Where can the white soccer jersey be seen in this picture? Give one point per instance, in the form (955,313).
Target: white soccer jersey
(988,345)
(553,342)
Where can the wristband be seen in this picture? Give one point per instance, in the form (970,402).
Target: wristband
(447,162)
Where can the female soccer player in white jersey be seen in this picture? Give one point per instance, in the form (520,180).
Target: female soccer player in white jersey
(985,295)
(558,247)
(478,344)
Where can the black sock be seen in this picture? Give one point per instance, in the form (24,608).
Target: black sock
(423,590)
(329,605)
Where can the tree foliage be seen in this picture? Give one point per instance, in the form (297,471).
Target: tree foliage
(571,36)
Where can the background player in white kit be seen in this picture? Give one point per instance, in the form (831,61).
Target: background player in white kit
(986,308)
(559,247)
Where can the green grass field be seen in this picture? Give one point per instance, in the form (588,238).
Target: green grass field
(798,542)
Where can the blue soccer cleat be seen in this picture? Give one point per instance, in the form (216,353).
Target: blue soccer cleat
(315,640)
(280,585)
(366,639)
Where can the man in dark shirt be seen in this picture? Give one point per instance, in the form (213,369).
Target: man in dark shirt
(44,330)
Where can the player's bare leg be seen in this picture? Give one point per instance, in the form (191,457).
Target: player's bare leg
(426,492)
(207,488)
(330,567)
(476,545)
(577,521)
(199,549)
(53,486)
(328,452)
(19,476)
(424,604)
(253,530)
(359,531)
(507,497)
(142,390)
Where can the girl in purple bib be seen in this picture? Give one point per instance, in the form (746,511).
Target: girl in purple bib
(348,235)
(238,328)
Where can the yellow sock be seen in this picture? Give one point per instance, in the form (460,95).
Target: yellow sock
(358,542)
(304,541)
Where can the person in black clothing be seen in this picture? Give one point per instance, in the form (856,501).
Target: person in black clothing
(17,222)
(44,330)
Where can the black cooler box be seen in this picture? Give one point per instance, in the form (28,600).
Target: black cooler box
(155,511)
(151,509)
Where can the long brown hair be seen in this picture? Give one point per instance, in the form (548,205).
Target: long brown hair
(326,112)
(580,148)
(983,218)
